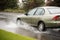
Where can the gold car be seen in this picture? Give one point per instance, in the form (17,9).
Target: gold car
(42,17)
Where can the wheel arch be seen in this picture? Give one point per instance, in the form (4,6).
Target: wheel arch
(41,22)
(44,28)
(18,18)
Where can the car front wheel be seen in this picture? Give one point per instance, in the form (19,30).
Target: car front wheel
(19,22)
(41,27)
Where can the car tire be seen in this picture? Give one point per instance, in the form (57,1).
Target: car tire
(41,26)
(19,22)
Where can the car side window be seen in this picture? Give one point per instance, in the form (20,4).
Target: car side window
(40,11)
(31,12)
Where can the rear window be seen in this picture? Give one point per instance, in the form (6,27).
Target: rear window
(54,10)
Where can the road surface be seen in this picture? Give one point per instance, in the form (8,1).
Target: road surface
(8,23)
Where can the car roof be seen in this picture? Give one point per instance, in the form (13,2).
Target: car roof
(49,7)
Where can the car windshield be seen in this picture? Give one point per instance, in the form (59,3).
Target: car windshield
(54,10)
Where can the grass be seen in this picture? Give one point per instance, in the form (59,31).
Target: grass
(4,35)
(15,10)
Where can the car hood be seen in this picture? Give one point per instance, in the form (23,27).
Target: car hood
(21,15)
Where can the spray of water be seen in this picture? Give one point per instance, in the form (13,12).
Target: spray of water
(13,27)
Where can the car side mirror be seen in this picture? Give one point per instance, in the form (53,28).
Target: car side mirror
(26,14)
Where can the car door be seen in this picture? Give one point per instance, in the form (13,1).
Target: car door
(38,16)
(28,17)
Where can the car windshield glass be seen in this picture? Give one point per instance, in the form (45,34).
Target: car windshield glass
(31,12)
(54,10)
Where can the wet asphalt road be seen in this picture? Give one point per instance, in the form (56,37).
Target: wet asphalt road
(8,23)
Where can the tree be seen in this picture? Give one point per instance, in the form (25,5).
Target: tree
(2,4)
(54,3)
(57,2)
(8,4)
(11,4)
(33,3)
